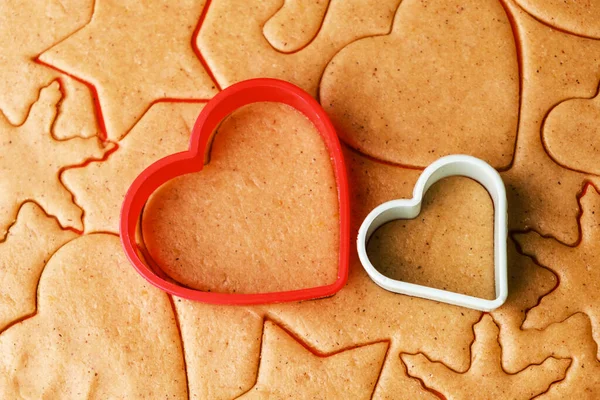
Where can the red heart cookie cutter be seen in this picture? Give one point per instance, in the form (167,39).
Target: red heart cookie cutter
(193,160)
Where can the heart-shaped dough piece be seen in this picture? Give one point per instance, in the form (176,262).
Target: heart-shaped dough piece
(262,216)
(447,245)
(454,165)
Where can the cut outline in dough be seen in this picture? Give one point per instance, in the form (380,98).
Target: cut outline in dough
(518,4)
(314,351)
(595,97)
(554,270)
(308,43)
(474,358)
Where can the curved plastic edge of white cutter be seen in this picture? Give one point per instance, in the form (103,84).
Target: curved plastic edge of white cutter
(453,165)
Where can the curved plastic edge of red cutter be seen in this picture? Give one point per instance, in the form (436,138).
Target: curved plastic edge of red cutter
(165,169)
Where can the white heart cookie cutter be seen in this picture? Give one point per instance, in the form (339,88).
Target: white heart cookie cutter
(454,165)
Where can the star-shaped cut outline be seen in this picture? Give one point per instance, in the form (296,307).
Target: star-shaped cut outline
(122,68)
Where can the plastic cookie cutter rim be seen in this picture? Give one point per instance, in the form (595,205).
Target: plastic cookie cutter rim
(453,165)
(190,161)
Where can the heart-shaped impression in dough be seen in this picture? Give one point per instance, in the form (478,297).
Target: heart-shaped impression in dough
(454,165)
(194,159)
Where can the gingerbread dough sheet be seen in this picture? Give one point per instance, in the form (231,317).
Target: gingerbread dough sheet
(358,315)
(92,93)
